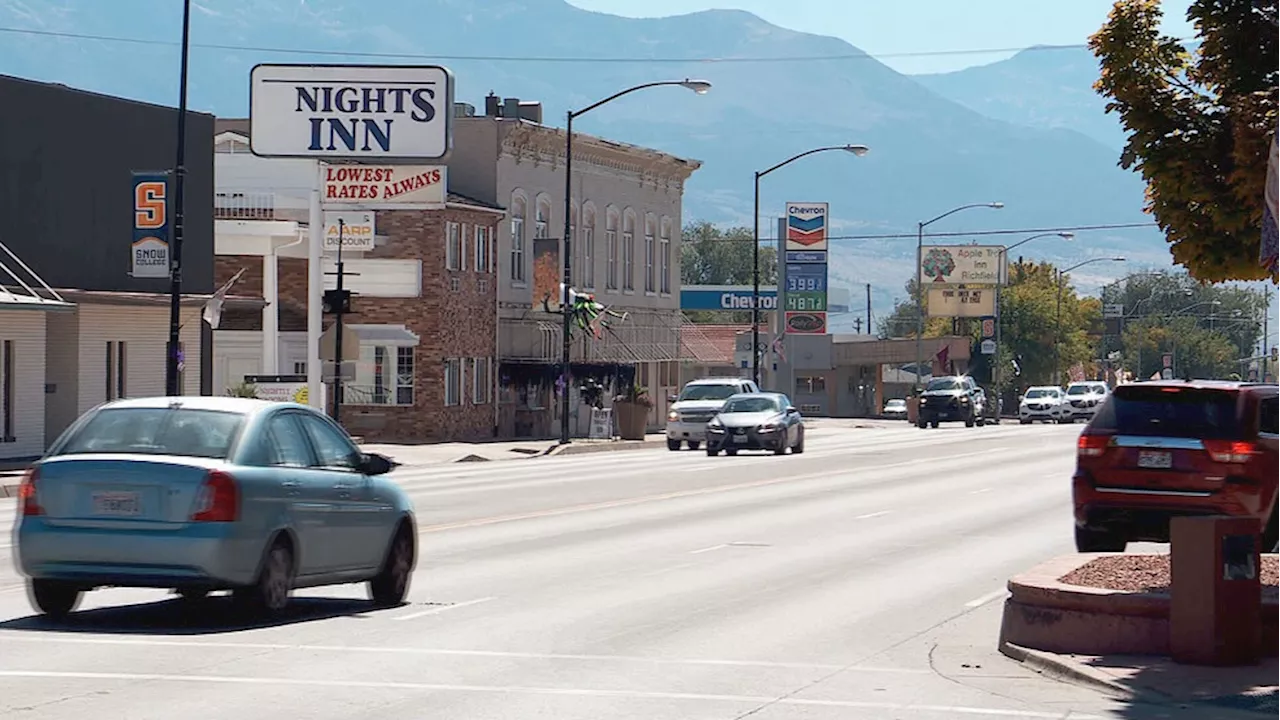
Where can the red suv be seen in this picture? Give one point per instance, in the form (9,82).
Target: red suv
(1156,450)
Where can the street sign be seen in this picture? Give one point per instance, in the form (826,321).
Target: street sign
(988,328)
(1112,311)
(988,347)
(961,302)
(962,265)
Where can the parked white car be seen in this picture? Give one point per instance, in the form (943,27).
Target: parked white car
(896,409)
(1083,400)
(1041,404)
(696,404)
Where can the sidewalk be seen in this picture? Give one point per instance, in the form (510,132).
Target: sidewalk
(438,453)
(1250,688)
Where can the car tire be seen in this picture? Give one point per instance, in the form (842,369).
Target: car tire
(390,586)
(982,421)
(712,452)
(54,598)
(694,444)
(1090,540)
(269,594)
(970,421)
(799,448)
(922,424)
(933,424)
(1024,421)
(782,447)
(192,595)
(731,452)
(673,445)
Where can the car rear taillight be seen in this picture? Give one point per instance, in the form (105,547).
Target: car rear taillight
(218,499)
(27,493)
(1229,451)
(1092,445)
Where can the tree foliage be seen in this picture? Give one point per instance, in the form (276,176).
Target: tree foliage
(1200,124)
(713,256)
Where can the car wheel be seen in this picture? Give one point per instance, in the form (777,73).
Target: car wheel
(712,452)
(270,593)
(982,421)
(192,595)
(922,424)
(799,448)
(970,421)
(673,445)
(782,447)
(731,451)
(390,586)
(694,444)
(1089,540)
(1024,421)
(54,598)
(934,424)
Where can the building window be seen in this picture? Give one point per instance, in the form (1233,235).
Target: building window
(117,369)
(482,285)
(300,368)
(389,384)
(453,247)
(611,241)
(517,239)
(484,253)
(664,259)
(628,252)
(588,241)
(452,382)
(813,384)
(650,258)
(7,381)
(542,219)
(455,285)
(481,385)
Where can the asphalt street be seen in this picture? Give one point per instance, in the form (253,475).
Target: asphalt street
(862,580)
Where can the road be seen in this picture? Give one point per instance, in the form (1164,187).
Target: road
(862,580)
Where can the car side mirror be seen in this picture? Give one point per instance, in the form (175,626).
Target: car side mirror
(671,398)
(791,410)
(375,464)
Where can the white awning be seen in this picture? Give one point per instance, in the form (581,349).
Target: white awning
(393,335)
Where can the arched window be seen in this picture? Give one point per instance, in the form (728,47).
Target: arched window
(628,250)
(650,253)
(542,220)
(664,257)
(588,243)
(517,214)
(577,246)
(611,240)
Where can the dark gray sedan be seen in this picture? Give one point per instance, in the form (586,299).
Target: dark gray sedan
(756,421)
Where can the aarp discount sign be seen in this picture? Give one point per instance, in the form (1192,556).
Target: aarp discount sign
(365,112)
(806,226)
(355,230)
(962,265)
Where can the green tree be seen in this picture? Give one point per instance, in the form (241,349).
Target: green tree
(713,256)
(1200,124)
(903,321)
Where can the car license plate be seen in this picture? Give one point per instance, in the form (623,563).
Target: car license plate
(740,439)
(117,504)
(1155,460)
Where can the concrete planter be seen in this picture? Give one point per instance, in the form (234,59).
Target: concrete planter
(632,419)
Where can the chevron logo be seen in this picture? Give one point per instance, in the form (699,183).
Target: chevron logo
(807,225)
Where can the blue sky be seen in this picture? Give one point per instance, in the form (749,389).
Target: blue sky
(883,27)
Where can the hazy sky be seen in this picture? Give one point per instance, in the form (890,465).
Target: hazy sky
(884,27)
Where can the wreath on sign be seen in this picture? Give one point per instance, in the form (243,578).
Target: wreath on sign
(938,264)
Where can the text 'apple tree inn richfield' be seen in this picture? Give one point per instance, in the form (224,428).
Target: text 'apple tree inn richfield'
(354,182)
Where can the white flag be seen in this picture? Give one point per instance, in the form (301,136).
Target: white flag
(212,313)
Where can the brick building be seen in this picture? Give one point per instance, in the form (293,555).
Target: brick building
(424,309)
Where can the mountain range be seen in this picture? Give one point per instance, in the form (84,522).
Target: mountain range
(1028,131)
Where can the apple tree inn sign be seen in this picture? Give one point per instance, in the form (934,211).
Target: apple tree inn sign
(376,113)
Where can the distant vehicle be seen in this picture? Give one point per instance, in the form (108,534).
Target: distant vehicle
(696,404)
(202,494)
(756,421)
(1083,400)
(1160,449)
(952,399)
(896,408)
(1041,404)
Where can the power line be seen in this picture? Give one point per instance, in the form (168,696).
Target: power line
(975,233)
(533,58)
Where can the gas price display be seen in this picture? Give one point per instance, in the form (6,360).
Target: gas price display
(806,278)
(806,302)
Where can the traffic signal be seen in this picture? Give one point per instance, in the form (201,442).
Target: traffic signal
(335,301)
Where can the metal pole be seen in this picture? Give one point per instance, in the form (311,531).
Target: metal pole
(179,188)
(755,284)
(1057,335)
(337,332)
(919,302)
(869,331)
(996,371)
(565,306)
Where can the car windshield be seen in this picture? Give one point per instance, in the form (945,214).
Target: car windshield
(751,405)
(944,384)
(1041,393)
(157,431)
(896,403)
(1078,390)
(1170,412)
(707,392)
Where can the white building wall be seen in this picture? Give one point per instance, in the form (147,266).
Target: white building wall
(144,330)
(26,329)
(62,373)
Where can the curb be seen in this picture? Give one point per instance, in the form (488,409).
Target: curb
(1051,665)
(603,446)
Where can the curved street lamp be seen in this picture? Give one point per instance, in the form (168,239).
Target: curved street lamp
(920,302)
(1057,344)
(1002,265)
(859,151)
(701,87)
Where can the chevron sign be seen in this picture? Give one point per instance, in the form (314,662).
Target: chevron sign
(806,226)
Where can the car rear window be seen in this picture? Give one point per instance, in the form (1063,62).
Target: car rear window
(1170,412)
(156,431)
(944,384)
(708,392)
(750,405)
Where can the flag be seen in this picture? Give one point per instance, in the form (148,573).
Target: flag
(212,312)
(1077,372)
(1269,250)
(777,348)
(943,355)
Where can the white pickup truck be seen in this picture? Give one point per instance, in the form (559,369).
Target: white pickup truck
(696,404)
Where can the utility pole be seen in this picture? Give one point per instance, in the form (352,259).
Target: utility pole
(171,375)
(869,326)
(339,309)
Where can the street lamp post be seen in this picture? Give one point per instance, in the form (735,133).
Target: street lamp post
(698,86)
(1003,264)
(858,150)
(171,374)
(920,286)
(1057,340)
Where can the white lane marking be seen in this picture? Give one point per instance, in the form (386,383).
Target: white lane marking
(709,549)
(221,645)
(443,608)
(979,492)
(868,516)
(945,710)
(980,601)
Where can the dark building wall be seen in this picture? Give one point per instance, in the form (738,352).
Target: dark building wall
(66,159)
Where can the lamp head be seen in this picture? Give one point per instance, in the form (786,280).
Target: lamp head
(1067,235)
(1117,259)
(996,205)
(858,150)
(700,87)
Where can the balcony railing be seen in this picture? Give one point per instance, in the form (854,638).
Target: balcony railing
(244,206)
